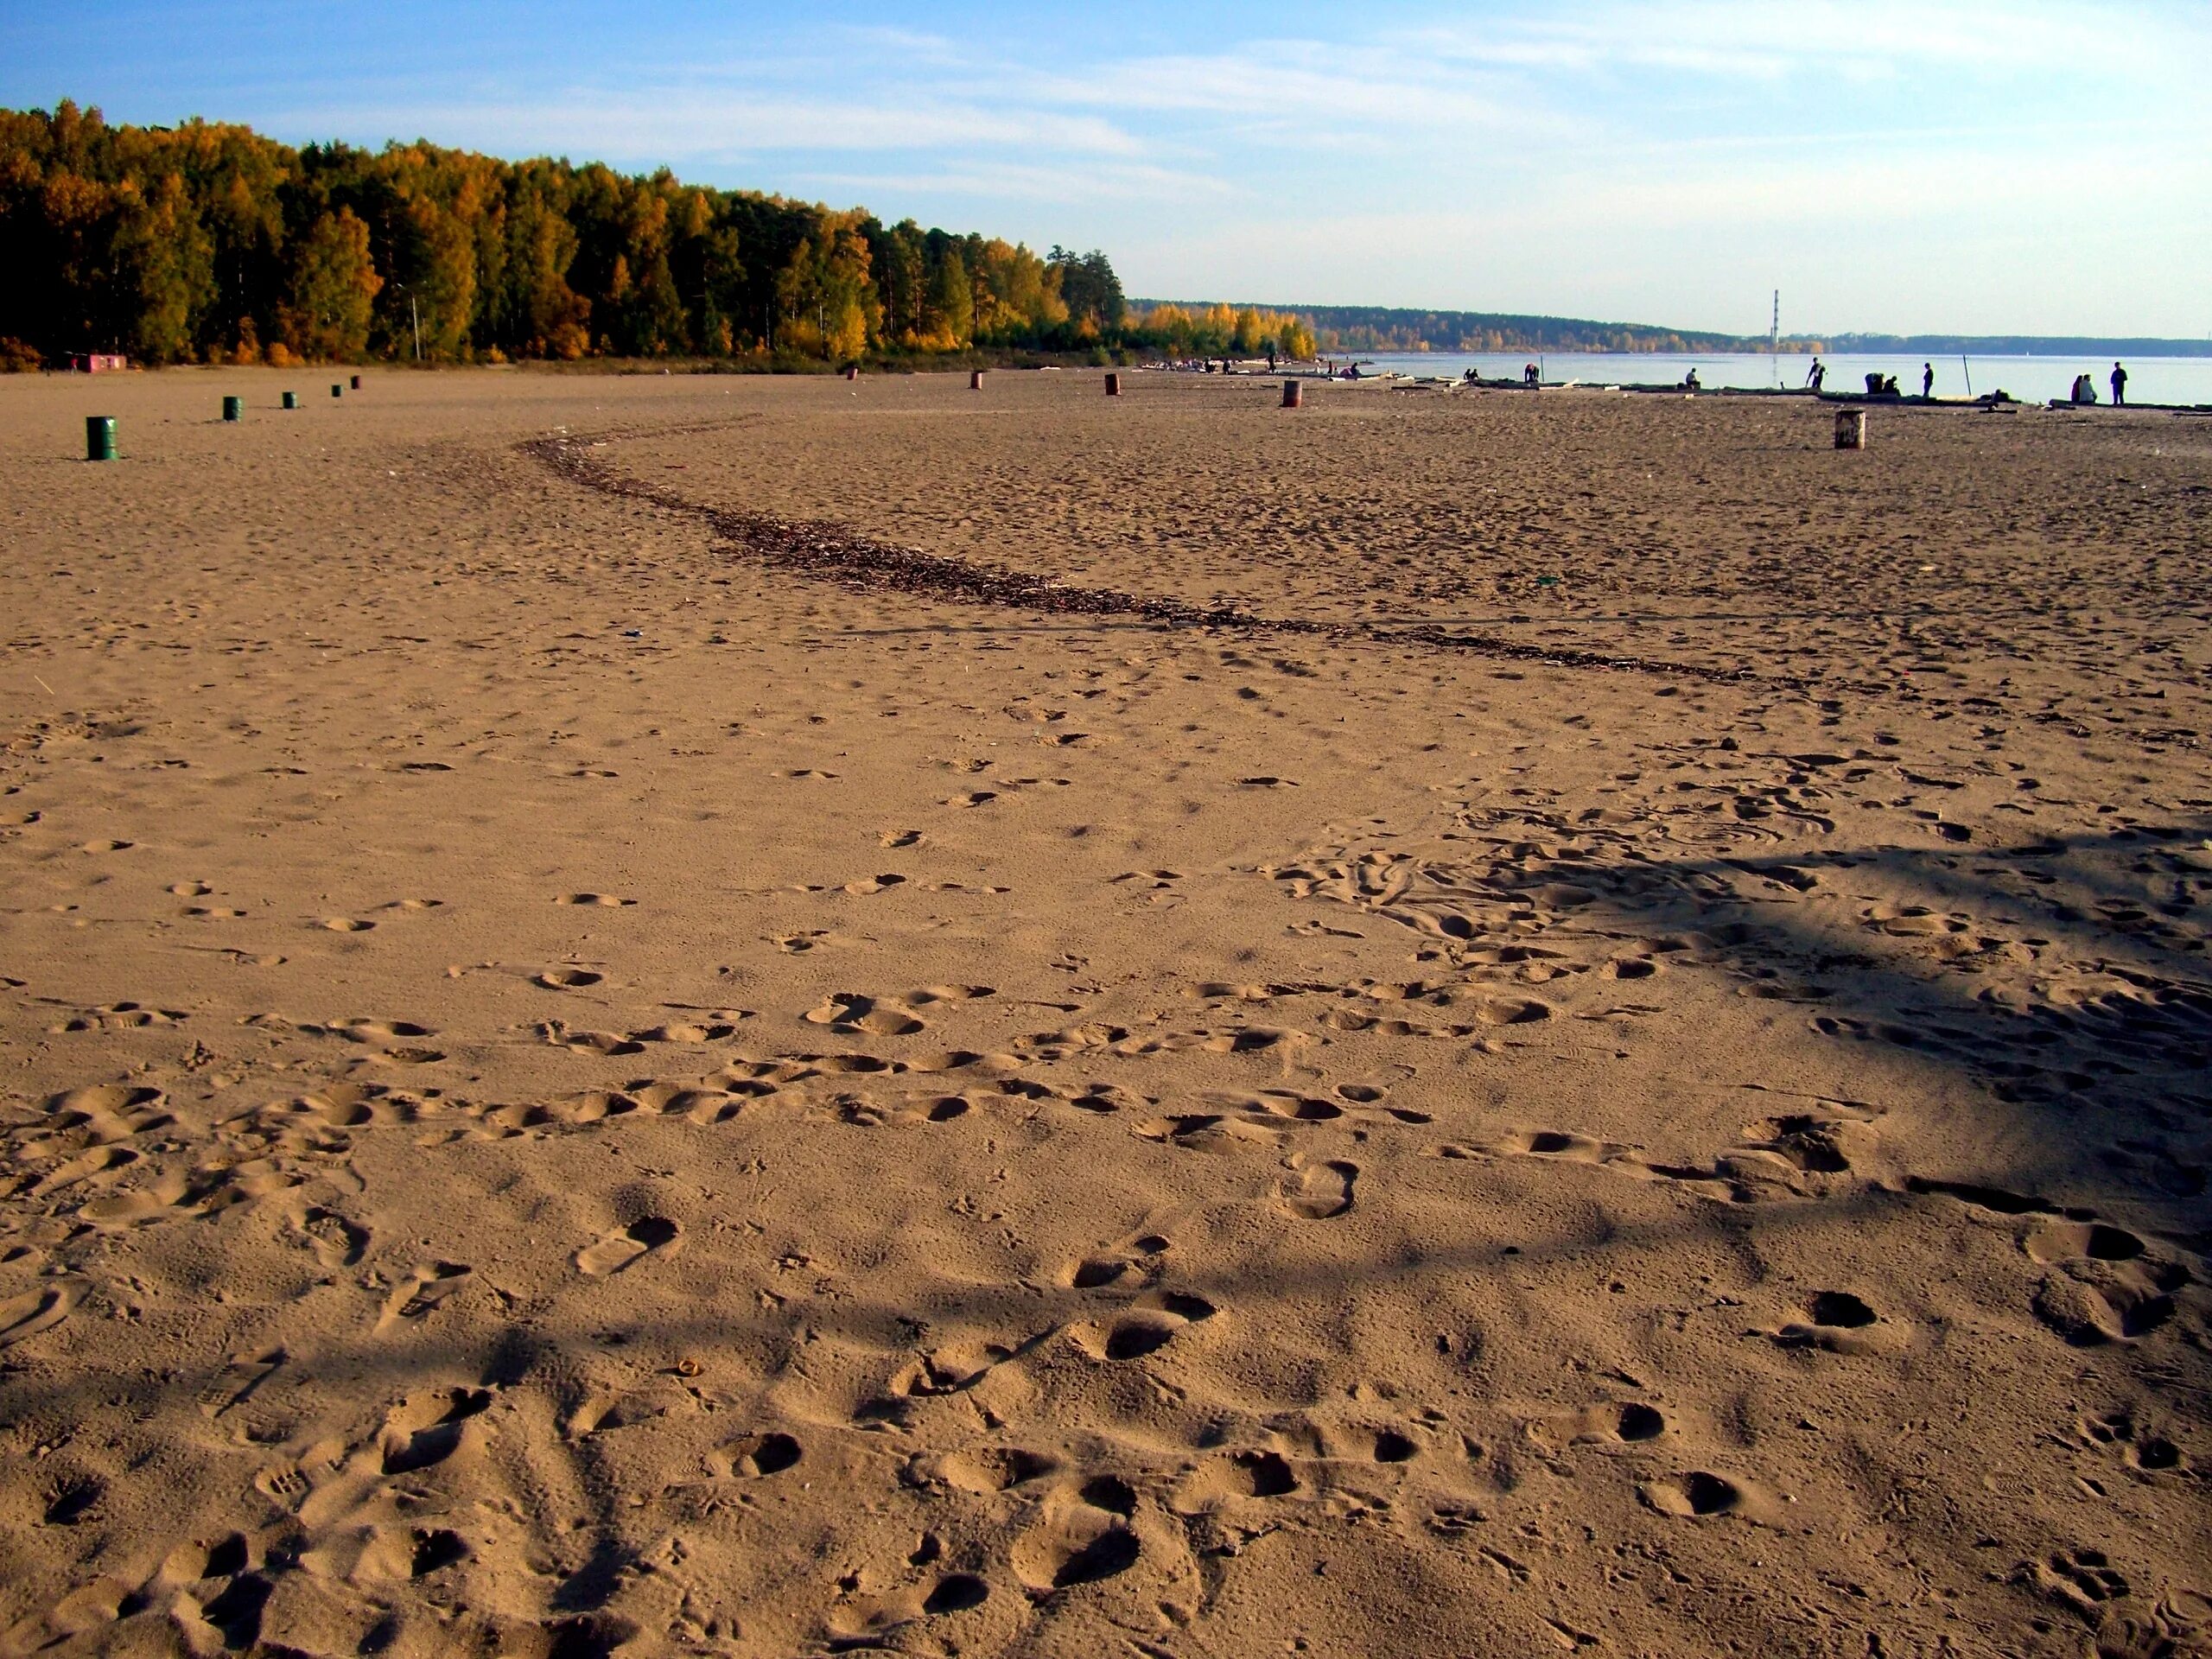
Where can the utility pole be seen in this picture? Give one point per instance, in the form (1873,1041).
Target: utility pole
(1774,340)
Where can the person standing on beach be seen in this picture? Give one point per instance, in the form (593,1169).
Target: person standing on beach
(1817,374)
(2119,385)
(1927,379)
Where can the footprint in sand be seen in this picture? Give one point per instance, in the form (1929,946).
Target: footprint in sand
(2139,1448)
(24,1317)
(1161,1316)
(590,1042)
(421,1293)
(753,1456)
(1510,1010)
(2054,1241)
(870,884)
(336,1242)
(605,900)
(2107,1305)
(1317,1190)
(1622,1423)
(345,924)
(989,1468)
(1836,1321)
(378,1030)
(1082,1539)
(428,1429)
(901,838)
(619,1250)
(851,1014)
(1699,1493)
(565,979)
(1239,1476)
(237,1382)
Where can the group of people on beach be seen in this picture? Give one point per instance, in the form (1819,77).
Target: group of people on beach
(2085,390)
(1885,385)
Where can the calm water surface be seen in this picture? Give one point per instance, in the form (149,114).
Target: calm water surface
(2031,379)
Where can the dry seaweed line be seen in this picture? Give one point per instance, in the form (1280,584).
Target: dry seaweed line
(833,553)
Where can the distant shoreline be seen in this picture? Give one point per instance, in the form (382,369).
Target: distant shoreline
(1349,328)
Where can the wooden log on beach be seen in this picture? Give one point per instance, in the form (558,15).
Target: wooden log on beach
(1113,386)
(1290,394)
(1851,428)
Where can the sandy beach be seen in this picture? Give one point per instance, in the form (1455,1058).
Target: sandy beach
(1500,1024)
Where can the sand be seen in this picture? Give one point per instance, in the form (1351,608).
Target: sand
(582,1072)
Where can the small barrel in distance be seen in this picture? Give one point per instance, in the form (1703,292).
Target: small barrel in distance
(100,437)
(975,379)
(356,383)
(291,400)
(1851,428)
(337,391)
(1113,386)
(852,371)
(1290,398)
(234,409)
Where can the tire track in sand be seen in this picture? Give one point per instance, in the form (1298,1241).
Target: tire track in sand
(831,552)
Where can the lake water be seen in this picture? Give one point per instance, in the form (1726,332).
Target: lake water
(2030,379)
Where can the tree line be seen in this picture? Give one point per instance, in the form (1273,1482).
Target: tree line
(207,241)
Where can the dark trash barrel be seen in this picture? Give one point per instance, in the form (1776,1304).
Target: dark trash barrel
(1290,399)
(234,409)
(291,400)
(100,437)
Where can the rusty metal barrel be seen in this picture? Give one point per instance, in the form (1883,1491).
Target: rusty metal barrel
(100,437)
(1290,398)
(1851,428)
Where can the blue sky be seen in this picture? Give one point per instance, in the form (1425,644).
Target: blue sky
(1989,166)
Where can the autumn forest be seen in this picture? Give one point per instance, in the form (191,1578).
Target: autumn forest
(209,243)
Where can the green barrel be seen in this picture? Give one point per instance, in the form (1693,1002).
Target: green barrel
(291,400)
(337,392)
(234,409)
(100,437)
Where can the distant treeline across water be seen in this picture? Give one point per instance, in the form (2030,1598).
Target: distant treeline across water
(1355,329)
